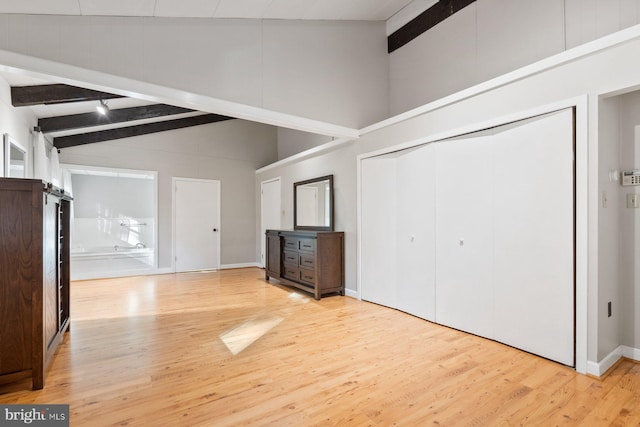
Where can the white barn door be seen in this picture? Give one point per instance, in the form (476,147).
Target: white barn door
(197,224)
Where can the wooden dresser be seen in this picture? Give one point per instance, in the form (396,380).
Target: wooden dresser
(309,260)
(34,277)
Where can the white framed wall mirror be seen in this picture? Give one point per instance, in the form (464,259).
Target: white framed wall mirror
(15,158)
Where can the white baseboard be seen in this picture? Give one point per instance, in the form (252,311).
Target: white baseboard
(631,353)
(243,265)
(350,293)
(599,368)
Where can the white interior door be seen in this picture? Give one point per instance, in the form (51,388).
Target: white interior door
(270,202)
(197,224)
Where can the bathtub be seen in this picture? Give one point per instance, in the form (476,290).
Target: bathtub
(110,261)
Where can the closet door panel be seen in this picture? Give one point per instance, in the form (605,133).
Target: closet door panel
(416,232)
(378,237)
(533,243)
(464,241)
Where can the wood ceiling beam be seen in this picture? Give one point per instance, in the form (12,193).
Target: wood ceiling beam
(130,131)
(428,19)
(77,121)
(24,96)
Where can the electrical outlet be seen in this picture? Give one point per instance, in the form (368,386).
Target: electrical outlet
(633,201)
(609,309)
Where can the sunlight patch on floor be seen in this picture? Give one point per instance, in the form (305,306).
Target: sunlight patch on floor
(294,296)
(248,332)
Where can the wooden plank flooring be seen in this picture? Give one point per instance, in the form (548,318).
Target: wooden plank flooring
(228,349)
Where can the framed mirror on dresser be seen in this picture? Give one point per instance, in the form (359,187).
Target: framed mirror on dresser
(313,204)
(311,256)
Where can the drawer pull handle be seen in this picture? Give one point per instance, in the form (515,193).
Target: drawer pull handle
(306,261)
(308,277)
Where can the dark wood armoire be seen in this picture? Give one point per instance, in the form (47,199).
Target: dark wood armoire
(34,277)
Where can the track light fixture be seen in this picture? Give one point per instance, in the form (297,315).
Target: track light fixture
(102,108)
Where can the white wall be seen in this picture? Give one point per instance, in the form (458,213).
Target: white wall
(291,142)
(603,71)
(16,122)
(228,151)
(330,71)
(103,197)
(492,37)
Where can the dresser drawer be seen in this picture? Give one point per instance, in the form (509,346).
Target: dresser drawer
(291,243)
(307,261)
(307,245)
(307,276)
(291,272)
(290,257)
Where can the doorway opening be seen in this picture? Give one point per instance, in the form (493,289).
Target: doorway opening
(113,232)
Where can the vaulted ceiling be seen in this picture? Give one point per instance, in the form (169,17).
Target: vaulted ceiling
(68,116)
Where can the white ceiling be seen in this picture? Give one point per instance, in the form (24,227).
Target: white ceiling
(364,10)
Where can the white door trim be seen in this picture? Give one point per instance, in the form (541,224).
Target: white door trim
(174,180)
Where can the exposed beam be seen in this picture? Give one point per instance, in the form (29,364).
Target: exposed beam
(129,131)
(426,20)
(24,96)
(76,121)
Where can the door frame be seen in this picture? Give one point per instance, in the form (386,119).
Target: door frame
(263,254)
(174,181)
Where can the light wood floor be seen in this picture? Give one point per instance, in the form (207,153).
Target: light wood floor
(228,349)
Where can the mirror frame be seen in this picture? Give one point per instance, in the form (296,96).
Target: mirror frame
(295,205)
(8,143)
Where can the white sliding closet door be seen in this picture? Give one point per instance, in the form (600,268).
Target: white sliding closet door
(378,242)
(533,237)
(415,245)
(464,235)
